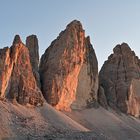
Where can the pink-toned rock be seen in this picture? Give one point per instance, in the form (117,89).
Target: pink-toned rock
(69,70)
(6,67)
(18,82)
(120,77)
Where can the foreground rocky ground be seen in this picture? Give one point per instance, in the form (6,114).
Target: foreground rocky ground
(77,136)
(45,123)
(24,123)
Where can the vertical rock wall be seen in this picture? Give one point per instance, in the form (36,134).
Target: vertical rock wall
(120,77)
(69,70)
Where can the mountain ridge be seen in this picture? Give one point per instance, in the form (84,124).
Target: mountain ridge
(84,104)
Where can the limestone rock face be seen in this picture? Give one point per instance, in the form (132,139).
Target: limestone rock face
(32,45)
(17,80)
(120,77)
(69,70)
(134,98)
(6,67)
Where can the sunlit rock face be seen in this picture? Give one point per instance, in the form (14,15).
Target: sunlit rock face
(32,45)
(69,70)
(6,67)
(134,98)
(16,77)
(120,79)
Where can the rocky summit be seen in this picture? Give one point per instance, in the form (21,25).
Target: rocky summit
(69,70)
(17,81)
(120,81)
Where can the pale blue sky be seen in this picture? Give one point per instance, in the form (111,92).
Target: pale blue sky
(107,22)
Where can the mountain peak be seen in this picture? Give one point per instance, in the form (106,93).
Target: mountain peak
(122,48)
(61,69)
(17,40)
(120,78)
(75,24)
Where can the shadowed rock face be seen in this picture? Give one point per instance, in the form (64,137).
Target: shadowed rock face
(120,79)
(16,76)
(32,45)
(69,70)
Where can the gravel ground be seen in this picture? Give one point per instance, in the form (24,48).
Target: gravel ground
(45,123)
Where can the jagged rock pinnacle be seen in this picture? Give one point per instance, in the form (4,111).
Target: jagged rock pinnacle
(17,40)
(69,70)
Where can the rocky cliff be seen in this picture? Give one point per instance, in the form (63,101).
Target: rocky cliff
(119,81)
(68,74)
(32,45)
(69,70)
(17,80)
